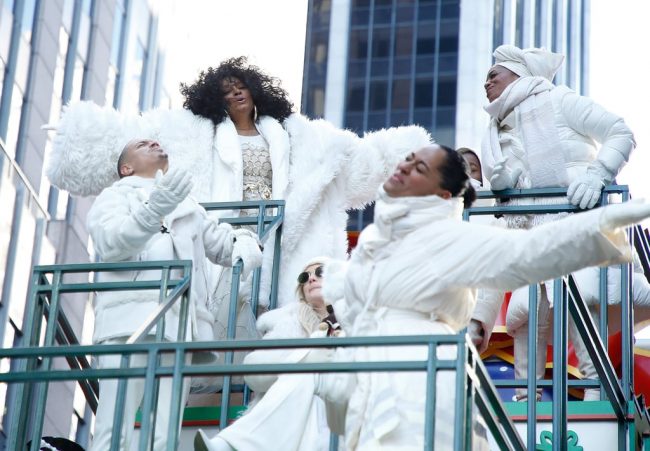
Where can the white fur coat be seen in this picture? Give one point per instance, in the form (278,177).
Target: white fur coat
(320,171)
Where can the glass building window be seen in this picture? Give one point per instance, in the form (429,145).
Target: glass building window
(356,97)
(423,93)
(378,92)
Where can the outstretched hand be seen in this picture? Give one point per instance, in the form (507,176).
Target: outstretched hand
(625,214)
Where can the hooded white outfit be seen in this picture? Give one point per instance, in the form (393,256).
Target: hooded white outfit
(393,286)
(118,237)
(319,170)
(548,133)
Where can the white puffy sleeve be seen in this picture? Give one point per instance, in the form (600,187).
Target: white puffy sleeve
(592,120)
(116,232)
(509,259)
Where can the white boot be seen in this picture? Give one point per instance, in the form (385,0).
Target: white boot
(216,443)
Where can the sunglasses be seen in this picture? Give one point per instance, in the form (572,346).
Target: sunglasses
(303,277)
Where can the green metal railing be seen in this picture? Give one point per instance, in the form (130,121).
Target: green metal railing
(268,222)
(44,303)
(568,301)
(472,381)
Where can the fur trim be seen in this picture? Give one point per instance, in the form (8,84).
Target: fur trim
(279,151)
(318,152)
(187,139)
(86,147)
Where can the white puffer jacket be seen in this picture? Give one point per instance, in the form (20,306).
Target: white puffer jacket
(580,123)
(118,237)
(320,171)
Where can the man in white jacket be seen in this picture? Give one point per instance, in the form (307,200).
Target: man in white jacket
(147,215)
(541,135)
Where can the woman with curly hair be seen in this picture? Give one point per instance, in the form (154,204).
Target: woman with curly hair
(238,137)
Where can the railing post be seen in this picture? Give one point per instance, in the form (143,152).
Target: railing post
(430,400)
(275,275)
(460,398)
(50,331)
(531,421)
(232,325)
(560,331)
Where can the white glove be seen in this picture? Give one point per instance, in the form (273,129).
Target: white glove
(217,241)
(169,191)
(584,191)
(503,177)
(477,335)
(623,215)
(247,247)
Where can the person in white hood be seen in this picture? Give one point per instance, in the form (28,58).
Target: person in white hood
(146,216)
(541,135)
(415,271)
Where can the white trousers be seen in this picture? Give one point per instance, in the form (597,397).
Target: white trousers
(134,395)
(544,330)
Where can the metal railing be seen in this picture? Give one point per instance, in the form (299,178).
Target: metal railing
(568,301)
(268,224)
(472,382)
(44,303)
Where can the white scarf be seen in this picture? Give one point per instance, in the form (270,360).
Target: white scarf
(396,217)
(530,99)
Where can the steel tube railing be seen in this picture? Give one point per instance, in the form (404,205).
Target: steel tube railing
(153,371)
(619,392)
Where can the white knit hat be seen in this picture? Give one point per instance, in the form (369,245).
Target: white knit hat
(531,62)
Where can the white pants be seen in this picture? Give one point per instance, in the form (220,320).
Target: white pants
(544,329)
(134,395)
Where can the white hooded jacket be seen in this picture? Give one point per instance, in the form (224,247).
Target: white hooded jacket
(415,271)
(118,237)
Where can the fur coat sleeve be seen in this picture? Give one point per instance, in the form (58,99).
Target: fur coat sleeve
(86,146)
(89,139)
(374,158)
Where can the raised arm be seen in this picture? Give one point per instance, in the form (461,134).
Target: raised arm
(121,226)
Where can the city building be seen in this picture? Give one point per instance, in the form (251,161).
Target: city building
(371,64)
(53,52)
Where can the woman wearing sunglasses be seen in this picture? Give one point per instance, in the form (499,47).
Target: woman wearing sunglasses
(288,417)
(415,271)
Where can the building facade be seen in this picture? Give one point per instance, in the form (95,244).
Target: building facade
(53,52)
(371,64)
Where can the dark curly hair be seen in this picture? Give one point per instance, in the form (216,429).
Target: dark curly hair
(455,176)
(206,99)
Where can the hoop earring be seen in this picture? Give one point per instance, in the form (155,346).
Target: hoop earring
(254,113)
